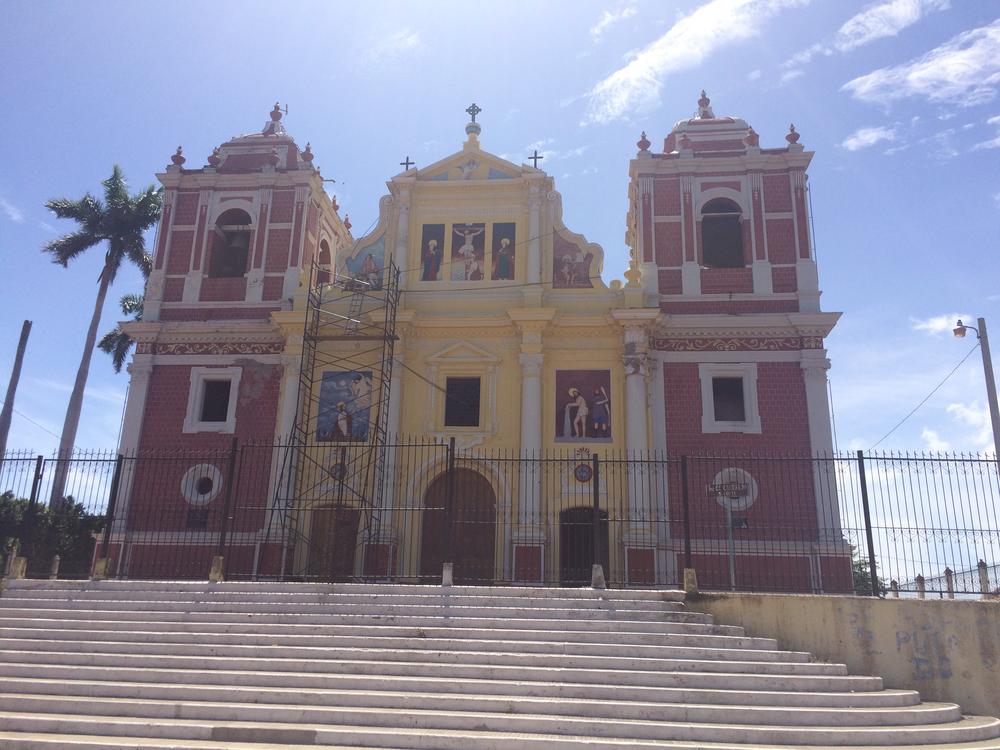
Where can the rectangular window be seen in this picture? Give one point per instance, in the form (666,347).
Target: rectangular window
(215,402)
(461,408)
(727,398)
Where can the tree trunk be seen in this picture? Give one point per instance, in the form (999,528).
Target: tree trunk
(75,406)
(15,377)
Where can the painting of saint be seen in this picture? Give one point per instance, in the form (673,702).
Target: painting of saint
(503,251)
(431,251)
(583,406)
(468,249)
(571,266)
(344,406)
(366,265)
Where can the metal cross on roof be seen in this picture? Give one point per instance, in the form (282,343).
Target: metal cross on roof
(407,164)
(473,111)
(534,158)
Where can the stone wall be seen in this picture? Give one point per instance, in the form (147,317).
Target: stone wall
(948,650)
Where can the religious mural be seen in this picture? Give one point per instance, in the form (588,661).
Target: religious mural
(571,267)
(431,252)
(345,398)
(583,406)
(367,263)
(468,252)
(504,245)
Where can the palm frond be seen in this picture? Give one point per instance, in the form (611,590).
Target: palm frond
(88,211)
(115,188)
(117,343)
(67,247)
(132,304)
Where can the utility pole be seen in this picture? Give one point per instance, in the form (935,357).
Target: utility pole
(15,375)
(991,385)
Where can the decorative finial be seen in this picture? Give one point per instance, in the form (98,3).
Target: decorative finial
(686,143)
(347,222)
(276,112)
(178,157)
(215,159)
(643,142)
(273,157)
(307,155)
(752,139)
(333,202)
(474,110)
(792,137)
(705,107)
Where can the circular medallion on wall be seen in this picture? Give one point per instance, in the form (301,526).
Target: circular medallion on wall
(201,483)
(338,471)
(734,488)
(583,473)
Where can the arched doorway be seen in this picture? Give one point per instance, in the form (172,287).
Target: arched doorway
(576,545)
(473,533)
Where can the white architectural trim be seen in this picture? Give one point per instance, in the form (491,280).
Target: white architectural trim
(745,370)
(196,395)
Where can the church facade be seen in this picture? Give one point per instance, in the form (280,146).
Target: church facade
(460,383)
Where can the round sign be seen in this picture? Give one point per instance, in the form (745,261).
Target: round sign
(734,488)
(201,483)
(583,473)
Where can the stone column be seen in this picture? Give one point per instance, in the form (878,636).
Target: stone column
(814,366)
(640,539)
(534,266)
(402,200)
(141,370)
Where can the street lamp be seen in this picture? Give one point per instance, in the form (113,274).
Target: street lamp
(991,386)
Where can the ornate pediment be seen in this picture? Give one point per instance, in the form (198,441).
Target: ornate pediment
(463,352)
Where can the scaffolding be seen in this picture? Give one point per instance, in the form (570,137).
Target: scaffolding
(329,499)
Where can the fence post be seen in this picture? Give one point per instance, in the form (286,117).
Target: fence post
(872,569)
(19,568)
(949,580)
(984,578)
(686,508)
(100,570)
(217,573)
(449,512)
(596,568)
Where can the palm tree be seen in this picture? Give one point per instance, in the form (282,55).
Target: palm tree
(116,342)
(120,221)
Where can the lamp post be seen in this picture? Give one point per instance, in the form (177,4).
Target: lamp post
(991,385)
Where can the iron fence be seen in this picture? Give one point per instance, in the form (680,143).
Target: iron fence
(868,524)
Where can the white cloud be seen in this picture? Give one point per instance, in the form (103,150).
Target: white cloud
(934,442)
(993,142)
(996,198)
(689,42)
(939,323)
(883,20)
(977,417)
(392,47)
(865,137)
(755,74)
(965,70)
(877,21)
(791,75)
(11,211)
(610,18)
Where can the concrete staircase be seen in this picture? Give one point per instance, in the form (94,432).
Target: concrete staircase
(138,664)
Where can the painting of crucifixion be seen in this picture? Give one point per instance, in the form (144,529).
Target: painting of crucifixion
(468,251)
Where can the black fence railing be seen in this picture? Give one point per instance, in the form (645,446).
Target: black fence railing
(867,524)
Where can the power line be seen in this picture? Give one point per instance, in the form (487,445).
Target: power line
(39,426)
(924,401)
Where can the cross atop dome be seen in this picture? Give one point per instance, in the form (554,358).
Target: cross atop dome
(473,128)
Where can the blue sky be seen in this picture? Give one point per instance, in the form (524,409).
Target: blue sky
(897,97)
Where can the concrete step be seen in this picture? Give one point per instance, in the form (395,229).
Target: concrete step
(439,730)
(56,612)
(304,675)
(232,704)
(445,651)
(304,635)
(836,692)
(440,597)
(375,609)
(352,689)
(15,741)
(57,639)
(381,589)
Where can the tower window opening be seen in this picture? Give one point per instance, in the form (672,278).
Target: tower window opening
(231,249)
(722,235)
(461,408)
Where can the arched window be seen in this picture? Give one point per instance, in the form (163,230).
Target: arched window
(231,248)
(323,274)
(722,234)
